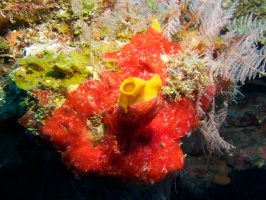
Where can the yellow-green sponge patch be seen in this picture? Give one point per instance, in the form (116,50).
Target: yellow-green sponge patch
(54,70)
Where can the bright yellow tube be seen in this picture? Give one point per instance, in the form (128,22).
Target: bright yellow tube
(136,90)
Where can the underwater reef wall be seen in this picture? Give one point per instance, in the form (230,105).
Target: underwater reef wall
(114,86)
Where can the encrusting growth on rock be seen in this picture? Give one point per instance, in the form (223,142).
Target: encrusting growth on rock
(115,85)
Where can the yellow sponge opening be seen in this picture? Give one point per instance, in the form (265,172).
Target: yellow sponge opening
(136,90)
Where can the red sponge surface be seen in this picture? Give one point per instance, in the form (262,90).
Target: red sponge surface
(142,145)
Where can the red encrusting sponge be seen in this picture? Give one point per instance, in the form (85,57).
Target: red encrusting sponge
(96,136)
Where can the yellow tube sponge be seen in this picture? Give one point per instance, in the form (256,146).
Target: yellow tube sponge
(156,25)
(136,90)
